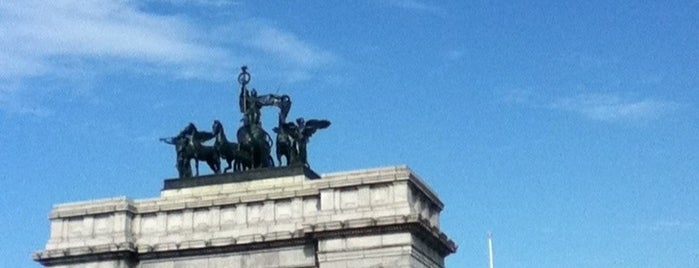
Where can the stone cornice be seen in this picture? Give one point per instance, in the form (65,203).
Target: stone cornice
(123,251)
(308,234)
(94,207)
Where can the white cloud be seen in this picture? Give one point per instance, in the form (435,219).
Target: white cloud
(611,107)
(282,44)
(518,96)
(42,30)
(204,3)
(600,107)
(295,58)
(420,6)
(666,225)
(38,37)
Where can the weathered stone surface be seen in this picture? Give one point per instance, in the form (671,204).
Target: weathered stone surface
(369,218)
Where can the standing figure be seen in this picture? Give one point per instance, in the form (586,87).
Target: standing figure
(253,141)
(301,133)
(248,101)
(184,168)
(285,144)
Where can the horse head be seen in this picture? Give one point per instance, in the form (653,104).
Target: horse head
(190,128)
(217,127)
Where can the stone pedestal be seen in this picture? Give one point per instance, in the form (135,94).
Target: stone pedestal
(384,217)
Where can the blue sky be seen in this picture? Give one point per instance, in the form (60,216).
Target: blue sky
(567,128)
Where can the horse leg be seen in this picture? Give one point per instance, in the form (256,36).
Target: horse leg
(239,165)
(212,166)
(214,163)
(196,167)
(279,157)
(229,165)
(252,158)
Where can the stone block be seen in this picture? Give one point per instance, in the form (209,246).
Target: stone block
(281,195)
(358,242)
(401,191)
(344,255)
(297,257)
(282,210)
(229,216)
(103,224)
(150,208)
(201,219)
(174,221)
(261,259)
(396,239)
(229,261)
(306,192)
(191,263)
(349,198)
(222,241)
(75,227)
(346,183)
(380,194)
(268,211)
(160,264)
(172,206)
(253,198)
(387,178)
(56,229)
(333,244)
(199,204)
(334,264)
(254,213)
(226,200)
(311,206)
(327,199)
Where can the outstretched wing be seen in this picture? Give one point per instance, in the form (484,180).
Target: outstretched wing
(318,124)
(312,125)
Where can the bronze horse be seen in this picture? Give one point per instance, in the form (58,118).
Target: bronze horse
(229,151)
(199,152)
(256,143)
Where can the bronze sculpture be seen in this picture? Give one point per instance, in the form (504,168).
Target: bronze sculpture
(188,145)
(229,151)
(253,140)
(253,149)
(184,169)
(285,146)
(293,138)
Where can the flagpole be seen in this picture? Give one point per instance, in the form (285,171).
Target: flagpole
(490,250)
